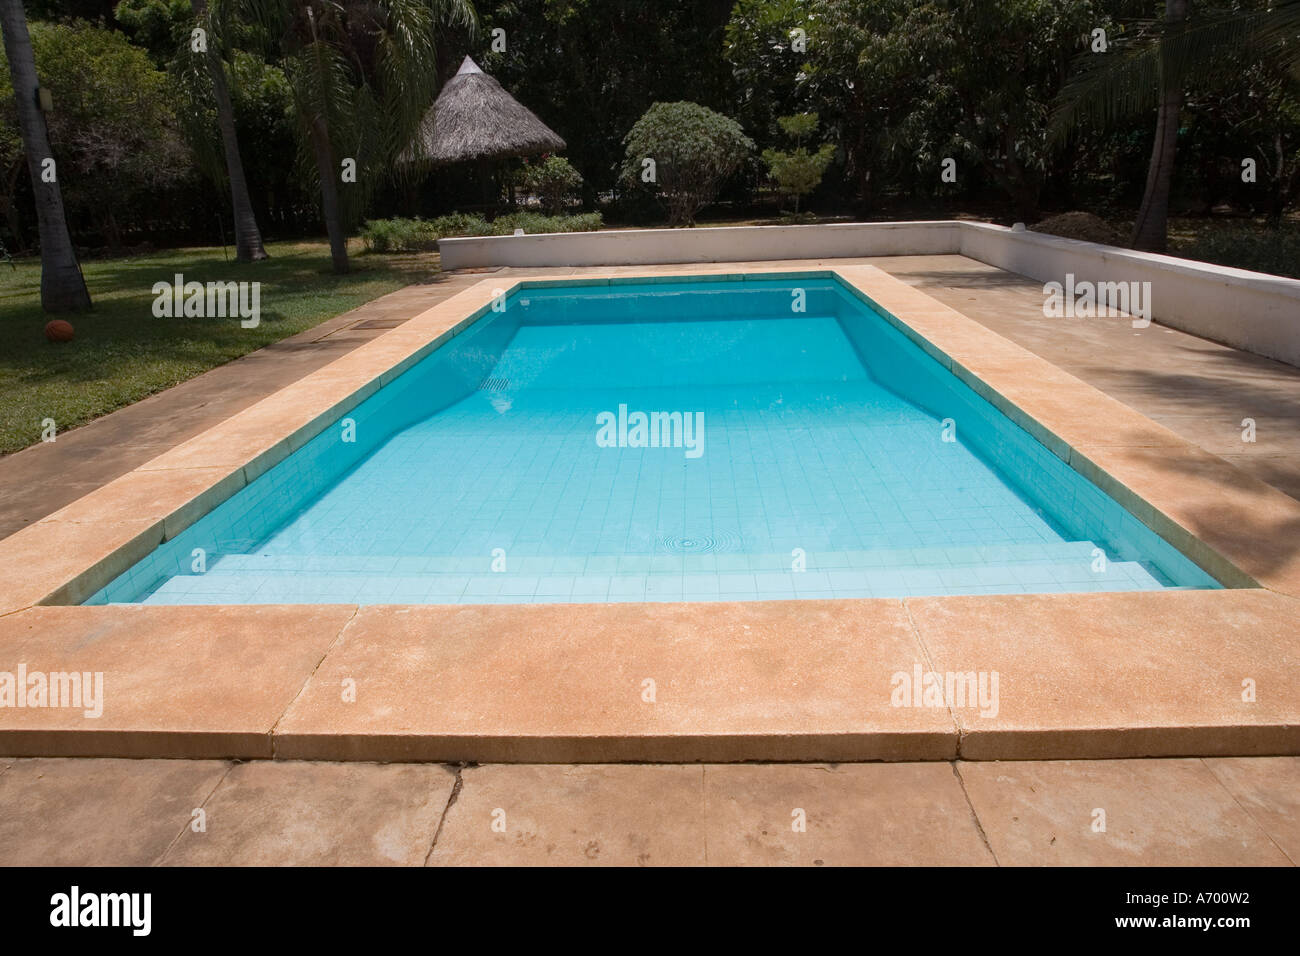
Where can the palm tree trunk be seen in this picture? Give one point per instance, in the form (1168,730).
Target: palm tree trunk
(329,194)
(248,238)
(10,206)
(62,286)
(1150,232)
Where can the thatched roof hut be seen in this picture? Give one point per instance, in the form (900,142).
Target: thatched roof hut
(474,118)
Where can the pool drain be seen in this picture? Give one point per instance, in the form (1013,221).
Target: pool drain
(698,543)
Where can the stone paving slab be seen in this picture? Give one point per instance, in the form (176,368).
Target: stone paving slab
(764,680)
(41,559)
(1197,388)
(1268,788)
(1154,673)
(1098,675)
(319,814)
(57,812)
(1222,511)
(176,683)
(590,815)
(1155,813)
(1182,812)
(873,814)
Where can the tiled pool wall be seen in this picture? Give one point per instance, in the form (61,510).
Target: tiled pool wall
(457,368)
(1067,498)
(238,524)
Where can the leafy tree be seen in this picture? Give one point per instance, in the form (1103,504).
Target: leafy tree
(554,181)
(590,68)
(1151,68)
(903,85)
(362,74)
(189,36)
(684,152)
(1257,117)
(62,286)
(767,57)
(112,124)
(799,172)
(160,26)
(248,237)
(259,97)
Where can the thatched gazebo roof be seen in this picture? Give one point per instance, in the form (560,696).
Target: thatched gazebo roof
(474,118)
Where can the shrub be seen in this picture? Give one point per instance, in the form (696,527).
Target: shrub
(533,223)
(553,180)
(422,235)
(1245,246)
(799,172)
(684,152)
(398,235)
(459,224)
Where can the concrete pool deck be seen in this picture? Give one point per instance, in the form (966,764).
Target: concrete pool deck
(1104,675)
(1234,811)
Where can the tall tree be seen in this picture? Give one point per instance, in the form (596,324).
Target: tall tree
(1151,229)
(362,73)
(248,238)
(63,288)
(119,151)
(1149,67)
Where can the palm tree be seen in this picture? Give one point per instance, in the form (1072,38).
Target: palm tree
(63,288)
(248,238)
(1150,69)
(362,73)
(1151,230)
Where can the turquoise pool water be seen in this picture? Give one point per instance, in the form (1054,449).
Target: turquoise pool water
(795,444)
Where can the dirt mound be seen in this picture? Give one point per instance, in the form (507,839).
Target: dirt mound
(1081,225)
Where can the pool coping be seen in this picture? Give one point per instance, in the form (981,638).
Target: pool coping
(1244,532)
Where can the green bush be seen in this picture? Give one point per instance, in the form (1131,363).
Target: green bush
(533,223)
(684,152)
(1245,246)
(398,235)
(422,235)
(553,180)
(459,224)
(799,172)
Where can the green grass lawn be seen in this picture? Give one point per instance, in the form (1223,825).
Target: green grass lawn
(123,353)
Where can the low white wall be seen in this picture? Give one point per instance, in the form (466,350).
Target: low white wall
(621,247)
(1247,310)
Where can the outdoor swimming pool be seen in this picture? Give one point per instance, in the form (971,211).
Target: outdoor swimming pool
(694,439)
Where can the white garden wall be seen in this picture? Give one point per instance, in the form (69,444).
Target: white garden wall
(1249,310)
